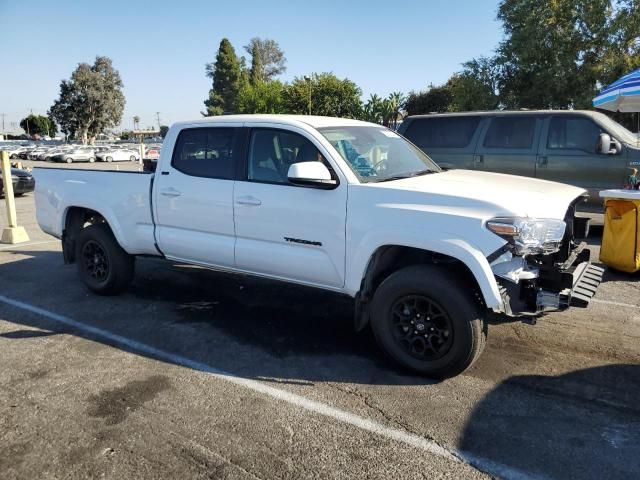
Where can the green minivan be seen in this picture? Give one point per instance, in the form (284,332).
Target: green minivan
(582,148)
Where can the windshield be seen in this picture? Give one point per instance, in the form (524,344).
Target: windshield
(377,154)
(617,130)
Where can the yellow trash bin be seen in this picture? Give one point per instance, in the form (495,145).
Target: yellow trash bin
(621,237)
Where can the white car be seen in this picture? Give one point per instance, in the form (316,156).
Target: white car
(118,155)
(342,205)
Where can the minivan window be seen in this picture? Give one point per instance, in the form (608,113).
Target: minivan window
(573,133)
(510,132)
(442,132)
(205,152)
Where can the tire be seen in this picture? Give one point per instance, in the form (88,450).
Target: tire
(13,156)
(132,158)
(103,265)
(92,159)
(108,159)
(441,308)
(68,160)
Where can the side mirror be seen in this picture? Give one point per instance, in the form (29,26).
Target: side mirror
(311,174)
(608,145)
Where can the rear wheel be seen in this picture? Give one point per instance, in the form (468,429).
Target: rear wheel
(109,159)
(68,160)
(102,263)
(429,321)
(92,159)
(132,158)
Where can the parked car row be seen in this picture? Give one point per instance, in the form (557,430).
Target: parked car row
(81,153)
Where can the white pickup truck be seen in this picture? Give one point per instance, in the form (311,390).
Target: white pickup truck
(340,205)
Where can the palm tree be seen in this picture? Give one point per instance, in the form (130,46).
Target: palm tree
(397,101)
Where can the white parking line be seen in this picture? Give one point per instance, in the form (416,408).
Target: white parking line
(357,421)
(28,244)
(618,304)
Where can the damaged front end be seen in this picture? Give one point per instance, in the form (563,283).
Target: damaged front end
(541,267)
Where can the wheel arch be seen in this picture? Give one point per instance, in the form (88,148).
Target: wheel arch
(387,259)
(74,220)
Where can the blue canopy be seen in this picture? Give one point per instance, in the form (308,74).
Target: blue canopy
(623,95)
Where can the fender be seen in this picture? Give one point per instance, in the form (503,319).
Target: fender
(447,244)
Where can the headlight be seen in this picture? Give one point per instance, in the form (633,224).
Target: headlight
(529,235)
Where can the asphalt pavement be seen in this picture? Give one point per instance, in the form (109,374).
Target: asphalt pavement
(199,374)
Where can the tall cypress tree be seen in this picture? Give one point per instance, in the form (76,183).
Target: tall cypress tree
(225,73)
(257,71)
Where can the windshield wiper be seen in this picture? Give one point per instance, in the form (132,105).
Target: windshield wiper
(406,175)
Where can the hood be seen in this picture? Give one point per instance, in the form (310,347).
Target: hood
(491,194)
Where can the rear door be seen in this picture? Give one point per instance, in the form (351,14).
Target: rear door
(509,144)
(449,140)
(193,196)
(568,154)
(283,230)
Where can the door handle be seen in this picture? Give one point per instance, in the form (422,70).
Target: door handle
(248,201)
(543,161)
(478,158)
(170,192)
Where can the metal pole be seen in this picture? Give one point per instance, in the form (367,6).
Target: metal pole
(13,233)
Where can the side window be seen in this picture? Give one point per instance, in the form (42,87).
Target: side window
(510,132)
(573,133)
(442,132)
(272,152)
(205,152)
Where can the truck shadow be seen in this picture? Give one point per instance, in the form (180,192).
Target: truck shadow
(584,424)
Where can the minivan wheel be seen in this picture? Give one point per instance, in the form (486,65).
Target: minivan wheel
(102,264)
(428,321)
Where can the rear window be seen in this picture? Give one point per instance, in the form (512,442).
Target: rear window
(443,132)
(205,152)
(510,132)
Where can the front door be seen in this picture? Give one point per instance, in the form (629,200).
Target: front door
(193,197)
(509,145)
(287,231)
(568,154)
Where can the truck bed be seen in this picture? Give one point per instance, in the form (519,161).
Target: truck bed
(122,198)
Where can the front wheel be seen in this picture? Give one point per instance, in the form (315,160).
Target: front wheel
(109,159)
(69,160)
(92,159)
(102,263)
(132,158)
(429,321)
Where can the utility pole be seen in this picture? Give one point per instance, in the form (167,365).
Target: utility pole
(3,115)
(158,117)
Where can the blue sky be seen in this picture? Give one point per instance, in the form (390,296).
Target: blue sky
(161,47)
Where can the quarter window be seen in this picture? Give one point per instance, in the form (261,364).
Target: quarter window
(510,132)
(205,152)
(573,133)
(272,152)
(442,132)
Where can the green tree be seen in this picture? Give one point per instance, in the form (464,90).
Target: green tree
(330,96)
(90,101)
(475,88)
(38,125)
(268,54)
(263,97)
(226,74)
(163,130)
(558,54)
(435,99)
(256,74)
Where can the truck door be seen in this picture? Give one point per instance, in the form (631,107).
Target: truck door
(193,196)
(509,145)
(282,230)
(568,154)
